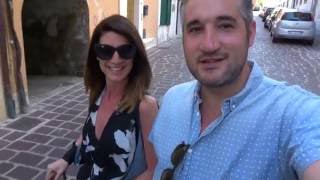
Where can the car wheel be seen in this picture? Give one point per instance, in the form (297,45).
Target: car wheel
(310,42)
(274,39)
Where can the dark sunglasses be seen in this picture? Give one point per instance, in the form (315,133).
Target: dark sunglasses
(105,52)
(176,158)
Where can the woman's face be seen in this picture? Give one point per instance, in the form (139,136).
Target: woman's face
(115,59)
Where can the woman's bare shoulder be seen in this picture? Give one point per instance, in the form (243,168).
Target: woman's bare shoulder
(148,103)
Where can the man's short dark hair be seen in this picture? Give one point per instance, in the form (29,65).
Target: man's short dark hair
(246,10)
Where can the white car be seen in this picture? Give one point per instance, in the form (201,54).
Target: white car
(292,24)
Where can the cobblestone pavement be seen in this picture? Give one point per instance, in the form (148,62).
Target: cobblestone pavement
(29,142)
(293,61)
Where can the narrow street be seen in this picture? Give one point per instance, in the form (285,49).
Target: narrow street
(31,141)
(293,61)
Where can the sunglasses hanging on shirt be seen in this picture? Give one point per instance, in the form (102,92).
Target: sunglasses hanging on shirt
(176,158)
(106,52)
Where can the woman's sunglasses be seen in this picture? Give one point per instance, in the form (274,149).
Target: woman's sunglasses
(105,52)
(176,158)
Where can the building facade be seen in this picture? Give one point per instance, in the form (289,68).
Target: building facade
(169,20)
(49,38)
(303,5)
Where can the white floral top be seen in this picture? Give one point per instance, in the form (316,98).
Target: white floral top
(111,155)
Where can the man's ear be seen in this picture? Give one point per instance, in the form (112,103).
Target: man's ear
(252,32)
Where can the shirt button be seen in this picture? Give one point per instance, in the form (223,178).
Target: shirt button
(233,106)
(189,150)
(198,114)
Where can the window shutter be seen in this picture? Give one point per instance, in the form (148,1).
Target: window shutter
(165,15)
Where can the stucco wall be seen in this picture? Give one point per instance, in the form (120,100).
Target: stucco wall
(168,32)
(2,100)
(150,22)
(317,18)
(123,7)
(17,13)
(173,25)
(163,34)
(130,10)
(111,7)
(317,14)
(305,6)
(99,9)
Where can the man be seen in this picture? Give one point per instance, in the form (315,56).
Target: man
(233,122)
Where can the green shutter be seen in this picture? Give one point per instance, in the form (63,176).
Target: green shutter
(165,14)
(169,12)
(162,13)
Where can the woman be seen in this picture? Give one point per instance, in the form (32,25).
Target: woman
(117,76)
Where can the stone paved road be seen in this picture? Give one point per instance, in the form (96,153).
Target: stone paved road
(29,142)
(292,61)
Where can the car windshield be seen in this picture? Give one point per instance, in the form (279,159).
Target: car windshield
(297,16)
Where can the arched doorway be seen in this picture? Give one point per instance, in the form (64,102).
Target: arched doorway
(56,37)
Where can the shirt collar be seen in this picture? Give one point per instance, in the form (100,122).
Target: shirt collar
(255,78)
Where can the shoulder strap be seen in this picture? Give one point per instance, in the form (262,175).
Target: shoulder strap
(136,115)
(139,164)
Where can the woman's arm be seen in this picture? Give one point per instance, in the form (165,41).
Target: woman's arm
(312,172)
(148,110)
(56,169)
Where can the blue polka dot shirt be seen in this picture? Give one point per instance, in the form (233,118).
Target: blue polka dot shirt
(269,130)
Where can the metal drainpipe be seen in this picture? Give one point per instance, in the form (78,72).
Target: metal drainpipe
(9,101)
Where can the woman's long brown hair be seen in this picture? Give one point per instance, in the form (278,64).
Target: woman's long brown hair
(138,79)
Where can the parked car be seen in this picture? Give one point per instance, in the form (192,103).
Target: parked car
(261,12)
(270,19)
(293,24)
(267,13)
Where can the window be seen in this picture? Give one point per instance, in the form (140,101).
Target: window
(297,16)
(165,15)
(145,10)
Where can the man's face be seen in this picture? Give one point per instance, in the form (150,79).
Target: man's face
(216,40)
